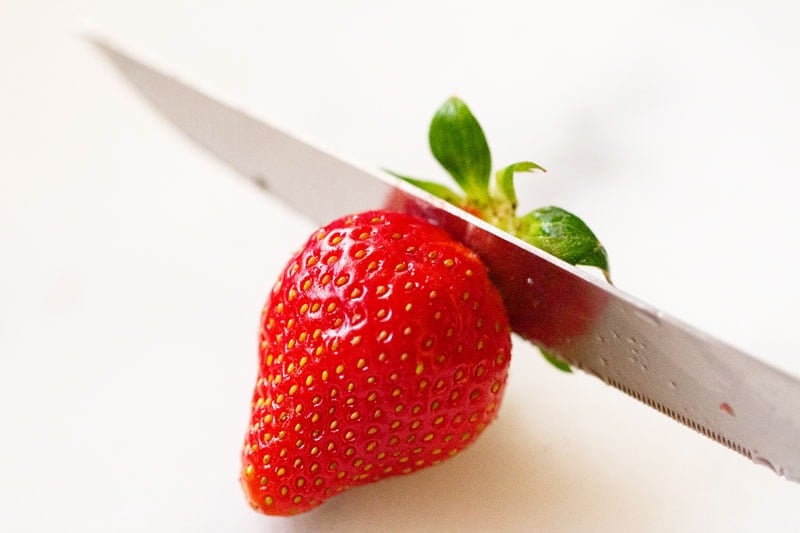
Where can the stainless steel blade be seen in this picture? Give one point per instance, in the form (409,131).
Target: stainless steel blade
(702,382)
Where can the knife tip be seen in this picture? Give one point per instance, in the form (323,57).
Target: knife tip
(89,31)
(86,29)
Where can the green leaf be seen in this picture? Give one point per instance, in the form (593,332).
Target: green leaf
(555,360)
(505,180)
(563,235)
(458,143)
(436,189)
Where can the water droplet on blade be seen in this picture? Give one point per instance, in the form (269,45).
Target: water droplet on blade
(650,317)
(766,462)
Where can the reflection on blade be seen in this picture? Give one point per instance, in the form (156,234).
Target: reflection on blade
(711,387)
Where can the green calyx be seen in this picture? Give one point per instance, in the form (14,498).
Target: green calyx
(459,144)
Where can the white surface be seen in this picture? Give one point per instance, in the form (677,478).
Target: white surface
(133,267)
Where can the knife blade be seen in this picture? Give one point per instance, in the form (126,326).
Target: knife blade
(702,382)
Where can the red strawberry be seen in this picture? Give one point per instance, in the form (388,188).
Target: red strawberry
(384,349)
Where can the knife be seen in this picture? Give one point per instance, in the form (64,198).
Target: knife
(704,383)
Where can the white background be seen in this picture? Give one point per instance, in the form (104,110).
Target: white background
(133,266)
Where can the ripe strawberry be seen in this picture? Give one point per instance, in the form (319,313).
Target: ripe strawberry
(384,349)
(384,346)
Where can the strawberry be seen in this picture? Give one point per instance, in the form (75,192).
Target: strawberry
(384,346)
(384,349)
